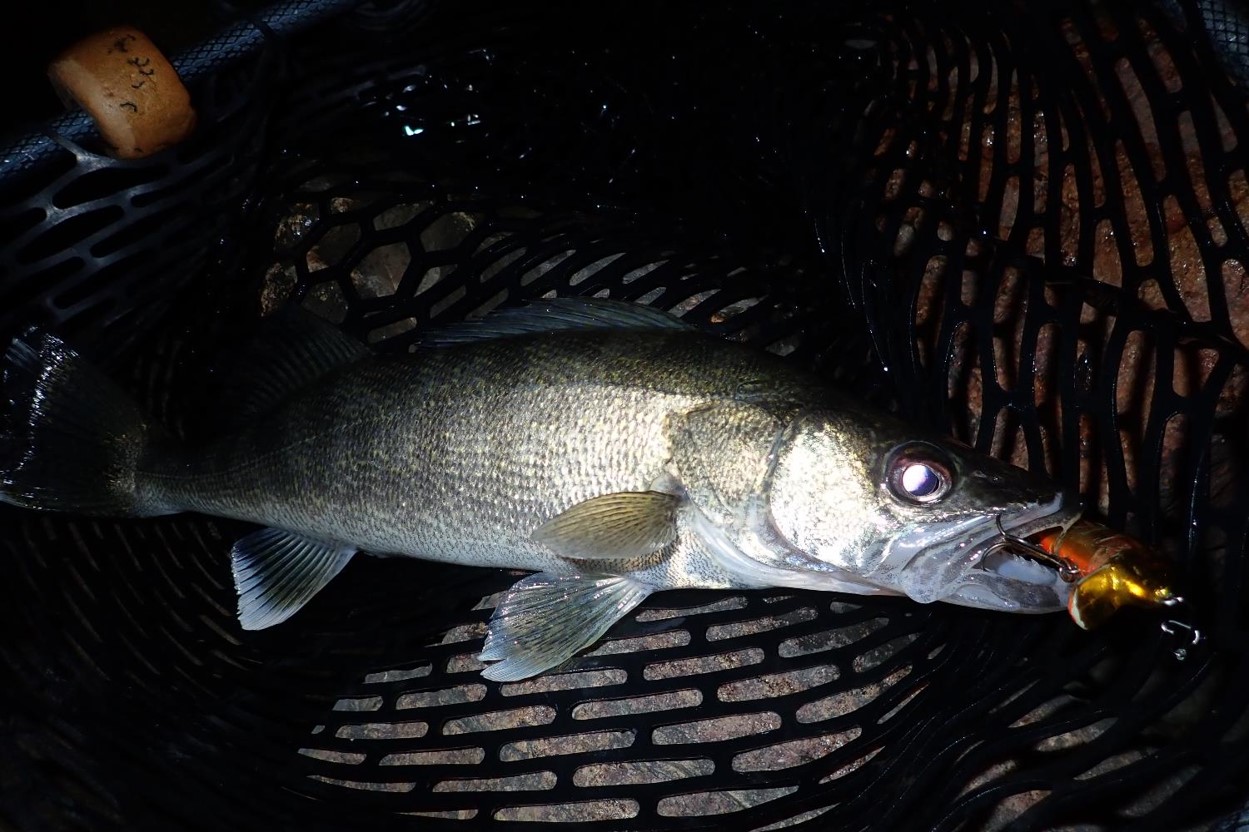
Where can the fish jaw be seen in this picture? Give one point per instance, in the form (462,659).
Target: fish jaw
(958,564)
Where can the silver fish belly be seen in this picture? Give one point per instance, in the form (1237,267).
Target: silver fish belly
(608,448)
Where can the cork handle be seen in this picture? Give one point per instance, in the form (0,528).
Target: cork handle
(129,88)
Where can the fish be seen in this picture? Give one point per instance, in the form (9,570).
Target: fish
(609,449)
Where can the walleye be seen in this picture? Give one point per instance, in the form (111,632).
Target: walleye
(608,448)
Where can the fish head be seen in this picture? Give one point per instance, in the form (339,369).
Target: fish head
(916,515)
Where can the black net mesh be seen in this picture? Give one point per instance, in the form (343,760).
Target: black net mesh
(1028,228)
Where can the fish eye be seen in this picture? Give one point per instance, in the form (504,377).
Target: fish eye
(917,475)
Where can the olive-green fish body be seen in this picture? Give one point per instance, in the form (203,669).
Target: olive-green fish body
(610,449)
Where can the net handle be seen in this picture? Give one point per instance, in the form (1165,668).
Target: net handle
(246,36)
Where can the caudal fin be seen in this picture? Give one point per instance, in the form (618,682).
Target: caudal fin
(74,437)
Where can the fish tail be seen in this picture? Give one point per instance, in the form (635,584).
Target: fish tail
(72,439)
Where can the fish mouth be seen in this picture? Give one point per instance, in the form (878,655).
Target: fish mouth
(974,565)
(1010,580)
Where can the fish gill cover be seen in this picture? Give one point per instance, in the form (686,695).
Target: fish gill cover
(1026,228)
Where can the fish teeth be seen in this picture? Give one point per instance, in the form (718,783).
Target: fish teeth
(1019,568)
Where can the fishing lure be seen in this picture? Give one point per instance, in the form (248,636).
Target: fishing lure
(1109,570)
(1114,569)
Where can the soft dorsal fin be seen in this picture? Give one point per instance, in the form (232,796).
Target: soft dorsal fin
(554,315)
(290,350)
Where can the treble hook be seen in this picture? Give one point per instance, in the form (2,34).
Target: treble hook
(1068,571)
(1174,626)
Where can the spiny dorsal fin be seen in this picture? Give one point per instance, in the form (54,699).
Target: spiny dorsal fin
(292,349)
(555,315)
(276,572)
(545,619)
(613,527)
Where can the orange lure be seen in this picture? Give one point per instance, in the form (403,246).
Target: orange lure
(1113,569)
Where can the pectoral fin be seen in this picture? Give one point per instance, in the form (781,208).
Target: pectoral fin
(276,572)
(613,527)
(545,619)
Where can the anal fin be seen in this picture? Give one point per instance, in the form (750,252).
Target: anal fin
(545,619)
(276,572)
